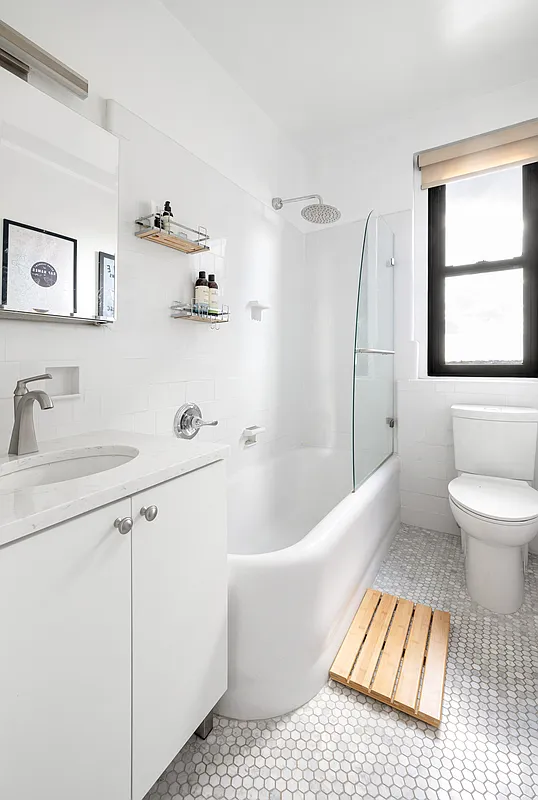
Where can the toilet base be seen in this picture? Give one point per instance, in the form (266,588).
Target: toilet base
(495,575)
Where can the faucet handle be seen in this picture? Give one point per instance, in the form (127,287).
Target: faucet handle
(188,421)
(20,388)
(198,422)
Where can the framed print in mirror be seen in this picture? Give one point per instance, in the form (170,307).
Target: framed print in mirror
(106,295)
(39,270)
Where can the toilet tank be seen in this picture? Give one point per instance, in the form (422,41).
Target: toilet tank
(495,440)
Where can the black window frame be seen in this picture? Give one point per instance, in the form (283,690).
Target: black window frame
(438,271)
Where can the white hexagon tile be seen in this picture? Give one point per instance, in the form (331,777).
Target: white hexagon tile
(344,745)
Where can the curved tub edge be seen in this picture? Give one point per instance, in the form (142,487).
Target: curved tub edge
(290,609)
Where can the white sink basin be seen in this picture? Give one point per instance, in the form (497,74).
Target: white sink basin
(66,465)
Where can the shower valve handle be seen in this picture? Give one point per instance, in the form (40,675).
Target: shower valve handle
(188,421)
(198,422)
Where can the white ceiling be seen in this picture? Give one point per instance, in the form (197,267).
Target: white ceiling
(319,66)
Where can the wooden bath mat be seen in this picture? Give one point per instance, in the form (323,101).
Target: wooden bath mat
(396,652)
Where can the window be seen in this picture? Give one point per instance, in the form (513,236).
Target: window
(483,275)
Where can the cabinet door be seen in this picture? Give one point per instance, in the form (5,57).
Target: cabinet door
(179,616)
(65,648)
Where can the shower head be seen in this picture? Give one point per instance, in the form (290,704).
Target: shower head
(319,213)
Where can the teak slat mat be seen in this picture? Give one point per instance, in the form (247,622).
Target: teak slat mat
(396,652)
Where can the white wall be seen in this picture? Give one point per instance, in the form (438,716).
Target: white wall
(364,169)
(137,372)
(425,439)
(374,169)
(140,55)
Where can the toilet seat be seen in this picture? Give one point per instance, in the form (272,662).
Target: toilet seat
(502,500)
(501,523)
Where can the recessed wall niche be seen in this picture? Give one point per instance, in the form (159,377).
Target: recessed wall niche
(65,382)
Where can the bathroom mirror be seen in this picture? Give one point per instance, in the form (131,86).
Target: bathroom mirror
(58,209)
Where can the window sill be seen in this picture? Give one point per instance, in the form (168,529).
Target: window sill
(464,379)
(477,379)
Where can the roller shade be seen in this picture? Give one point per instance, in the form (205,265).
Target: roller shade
(517,144)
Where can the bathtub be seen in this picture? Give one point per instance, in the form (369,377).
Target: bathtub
(302,553)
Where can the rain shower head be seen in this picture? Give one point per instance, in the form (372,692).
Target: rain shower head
(319,213)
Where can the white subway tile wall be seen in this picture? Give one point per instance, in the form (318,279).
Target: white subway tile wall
(135,374)
(425,442)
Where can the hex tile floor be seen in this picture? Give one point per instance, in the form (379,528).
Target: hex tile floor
(344,745)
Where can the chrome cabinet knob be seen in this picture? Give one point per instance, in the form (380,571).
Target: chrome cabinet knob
(124,525)
(149,513)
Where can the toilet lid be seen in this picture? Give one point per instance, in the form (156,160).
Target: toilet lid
(502,499)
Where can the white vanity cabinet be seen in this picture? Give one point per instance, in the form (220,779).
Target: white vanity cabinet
(112,647)
(179,616)
(65,661)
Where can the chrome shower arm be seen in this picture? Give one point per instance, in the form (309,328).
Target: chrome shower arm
(318,213)
(278,202)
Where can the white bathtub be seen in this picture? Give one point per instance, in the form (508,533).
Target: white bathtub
(300,560)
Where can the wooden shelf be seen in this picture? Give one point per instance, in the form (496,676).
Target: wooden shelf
(171,240)
(172,234)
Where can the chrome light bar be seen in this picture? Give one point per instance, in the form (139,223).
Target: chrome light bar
(34,57)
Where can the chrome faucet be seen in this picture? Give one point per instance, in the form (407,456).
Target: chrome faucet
(23,439)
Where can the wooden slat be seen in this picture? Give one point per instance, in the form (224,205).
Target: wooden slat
(364,668)
(389,663)
(433,685)
(408,684)
(168,240)
(405,647)
(345,658)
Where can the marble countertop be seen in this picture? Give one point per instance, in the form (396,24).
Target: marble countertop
(27,510)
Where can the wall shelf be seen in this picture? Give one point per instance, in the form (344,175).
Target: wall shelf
(191,312)
(179,237)
(34,316)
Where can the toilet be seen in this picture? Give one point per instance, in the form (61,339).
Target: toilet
(492,499)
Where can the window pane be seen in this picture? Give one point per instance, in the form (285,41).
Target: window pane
(484,318)
(484,218)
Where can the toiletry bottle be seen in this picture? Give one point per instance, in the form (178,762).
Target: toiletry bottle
(166,216)
(213,296)
(201,294)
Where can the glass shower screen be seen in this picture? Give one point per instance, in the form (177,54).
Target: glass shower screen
(373,373)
